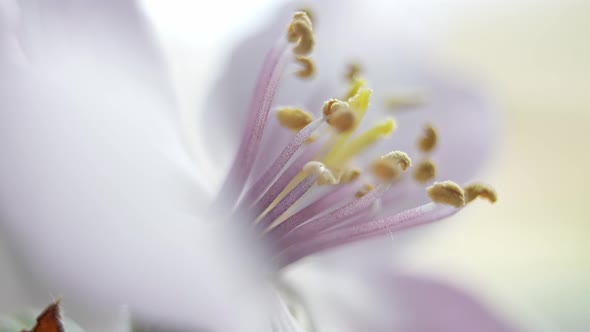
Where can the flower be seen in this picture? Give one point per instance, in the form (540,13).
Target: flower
(101,198)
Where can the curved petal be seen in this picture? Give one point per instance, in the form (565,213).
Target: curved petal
(429,305)
(376,300)
(98,195)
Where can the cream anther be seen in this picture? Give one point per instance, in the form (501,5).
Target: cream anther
(447,192)
(388,166)
(300,32)
(339,114)
(293,118)
(367,188)
(308,69)
(354,69)
(350,175)
(425,171)
(481,190)
(325,176)
(428,141)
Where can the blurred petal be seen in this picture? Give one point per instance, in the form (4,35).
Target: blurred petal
(98,194)
(402,303)
(433,306)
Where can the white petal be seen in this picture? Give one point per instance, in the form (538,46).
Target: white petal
(97,193)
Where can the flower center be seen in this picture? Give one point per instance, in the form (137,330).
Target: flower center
(313,196)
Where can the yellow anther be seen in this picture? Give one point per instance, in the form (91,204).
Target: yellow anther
(300,32)
(367,188)
(387,167)
(293,118)
(482,190)
(447,192)
(308,69)
(350,175)
(404,101)
(427,142)
(425,171)
(354,69)
(325,176)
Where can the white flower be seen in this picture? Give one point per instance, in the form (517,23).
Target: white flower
(101,199)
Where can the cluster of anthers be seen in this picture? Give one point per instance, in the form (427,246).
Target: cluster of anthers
(309,198)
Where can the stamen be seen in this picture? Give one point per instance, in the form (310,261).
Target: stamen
(300,32)
(427,142)
(447,192)
(266,88)
(481,190)
(325,176)
(367,188)
(309,13)
(359,104)
(363,141)
(403,102)
(308,69)
(354,69)
(387,167)
(293,118)
(333,105)
(421,215)
(342,120)
(291,198)
(332,198)
(294,145)
(350,175)
(339,115)
(354,88)
(273,193)
(294,233)
(425,171)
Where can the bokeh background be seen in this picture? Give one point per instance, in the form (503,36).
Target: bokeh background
(529,255)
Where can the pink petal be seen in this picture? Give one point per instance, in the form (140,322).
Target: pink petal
(434,306)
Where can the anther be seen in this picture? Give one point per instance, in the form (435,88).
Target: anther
(354,69)
(300,32)
(293,118)
(388,166)
(333,105)
(482,190)
(427,142)
(339,114)
(447,192)
(342,121)
(425,171)
(308,69)
(309,13)
(367,188)
(325,176)
(350,175)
